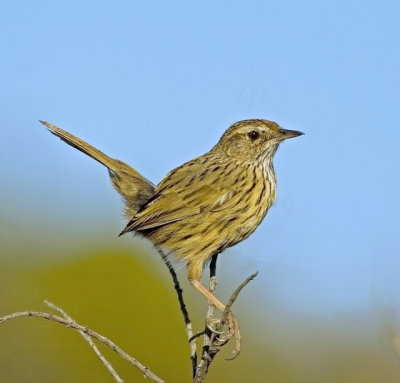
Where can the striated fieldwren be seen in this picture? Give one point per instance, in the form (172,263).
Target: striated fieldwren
(205,205)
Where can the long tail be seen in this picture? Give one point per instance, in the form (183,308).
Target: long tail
(130,184)
(83,146)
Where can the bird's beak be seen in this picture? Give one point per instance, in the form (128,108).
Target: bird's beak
(284,134)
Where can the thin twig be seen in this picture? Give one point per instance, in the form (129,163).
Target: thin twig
(186,318)
(216,342)
(88,339)
(228,309)
(237,292)
(71,324)
(208,334)
(210,312)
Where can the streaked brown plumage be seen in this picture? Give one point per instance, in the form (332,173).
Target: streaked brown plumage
(205,205)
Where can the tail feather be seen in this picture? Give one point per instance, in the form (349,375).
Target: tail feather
(81,145)
(135,189)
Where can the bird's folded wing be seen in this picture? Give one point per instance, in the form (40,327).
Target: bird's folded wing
(167,208)
(172,206)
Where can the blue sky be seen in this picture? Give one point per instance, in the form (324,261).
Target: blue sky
(156,84)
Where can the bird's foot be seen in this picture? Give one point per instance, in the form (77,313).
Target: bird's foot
(216,326)
(213,324)
(233,332)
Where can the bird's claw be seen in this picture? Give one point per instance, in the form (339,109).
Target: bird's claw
(215,324)
(212,324)
(234,332)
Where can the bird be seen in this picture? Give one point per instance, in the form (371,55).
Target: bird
(206,205)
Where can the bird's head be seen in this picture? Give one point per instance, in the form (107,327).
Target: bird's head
(253,140)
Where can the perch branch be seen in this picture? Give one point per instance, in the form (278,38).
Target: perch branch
(210,312)
(186,318)
(216,341)
(229,305)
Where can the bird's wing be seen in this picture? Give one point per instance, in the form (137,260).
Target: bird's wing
(165,209)
(170,206)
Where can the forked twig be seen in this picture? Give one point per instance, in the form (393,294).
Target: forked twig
(216,342)
(88,339)
(228,306)
(212,342)
(93,334)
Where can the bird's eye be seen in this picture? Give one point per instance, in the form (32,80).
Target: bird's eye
(253,135)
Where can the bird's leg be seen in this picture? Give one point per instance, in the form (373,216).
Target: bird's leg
(232,323)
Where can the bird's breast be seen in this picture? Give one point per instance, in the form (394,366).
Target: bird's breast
(258,202)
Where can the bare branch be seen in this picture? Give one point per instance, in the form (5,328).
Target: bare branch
(186,318)
(93,334)
(216,341)
(211,307)
(202,368)
(237,292)
(228,306)
(88,339)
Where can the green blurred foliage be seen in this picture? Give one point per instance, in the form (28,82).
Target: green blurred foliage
(126,295)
